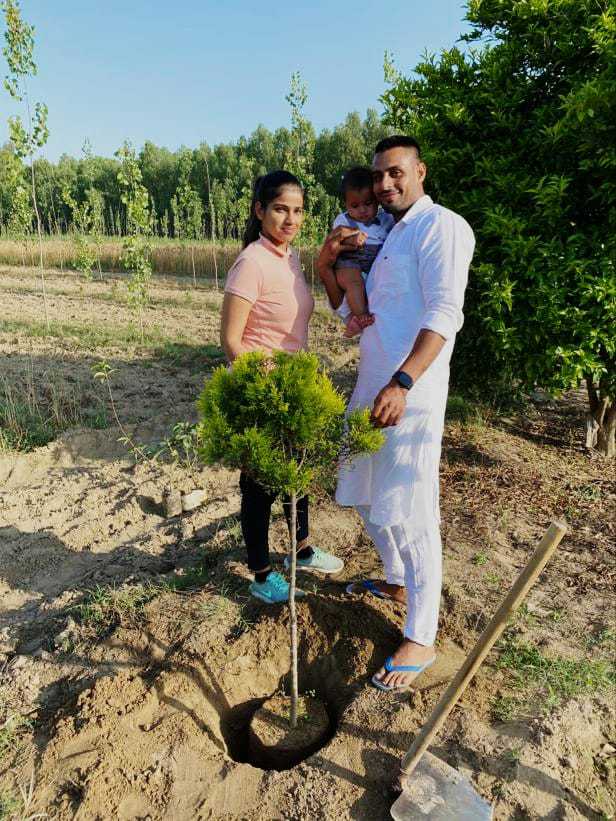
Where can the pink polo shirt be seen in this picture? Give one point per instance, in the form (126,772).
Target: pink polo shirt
(273,282)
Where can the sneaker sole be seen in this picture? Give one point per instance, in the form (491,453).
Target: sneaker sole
(265,600)
(316,569)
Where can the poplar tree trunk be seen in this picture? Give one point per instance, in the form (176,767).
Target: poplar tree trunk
(215,264)
(600,421)
(293,611)
(212,221)
(40,238)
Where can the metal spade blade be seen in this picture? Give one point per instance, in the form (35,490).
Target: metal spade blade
(437,792)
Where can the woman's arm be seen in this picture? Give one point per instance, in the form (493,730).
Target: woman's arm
(235,310)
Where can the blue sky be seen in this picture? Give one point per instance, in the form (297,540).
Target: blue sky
(193,70)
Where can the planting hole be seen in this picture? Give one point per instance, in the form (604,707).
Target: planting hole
(258,732)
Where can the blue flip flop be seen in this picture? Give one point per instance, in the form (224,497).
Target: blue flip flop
(400,668)
(369,586)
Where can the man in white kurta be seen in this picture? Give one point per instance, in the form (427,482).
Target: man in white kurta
(415,292)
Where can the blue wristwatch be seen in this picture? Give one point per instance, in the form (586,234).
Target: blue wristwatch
(403,379)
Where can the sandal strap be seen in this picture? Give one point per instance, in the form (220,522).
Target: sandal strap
(370,585)
(406,668)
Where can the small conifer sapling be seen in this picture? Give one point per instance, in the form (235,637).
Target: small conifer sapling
(279,419)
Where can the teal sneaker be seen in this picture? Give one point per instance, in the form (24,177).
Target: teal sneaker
(274,590)
(319,562)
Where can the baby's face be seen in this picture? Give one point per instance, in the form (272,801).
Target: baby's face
(361,205)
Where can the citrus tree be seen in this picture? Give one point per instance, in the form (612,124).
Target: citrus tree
(519,133)
(281,421)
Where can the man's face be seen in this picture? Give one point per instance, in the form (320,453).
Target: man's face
(398,177)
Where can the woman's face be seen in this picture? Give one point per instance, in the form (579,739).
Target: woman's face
(283,217)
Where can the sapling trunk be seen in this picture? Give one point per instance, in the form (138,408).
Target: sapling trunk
(38,226)
(293,611)
(192,259)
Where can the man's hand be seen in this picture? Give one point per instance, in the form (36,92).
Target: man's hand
(340,239)
(389,405)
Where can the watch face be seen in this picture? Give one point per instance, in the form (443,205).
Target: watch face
(403,379)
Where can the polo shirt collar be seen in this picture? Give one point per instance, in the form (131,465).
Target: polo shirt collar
(266,243)
(422,204)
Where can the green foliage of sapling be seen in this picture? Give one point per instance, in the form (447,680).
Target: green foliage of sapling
(280,419)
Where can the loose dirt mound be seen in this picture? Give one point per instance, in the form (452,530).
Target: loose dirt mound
(171,742)
(133,701)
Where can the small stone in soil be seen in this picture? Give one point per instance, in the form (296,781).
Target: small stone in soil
(172,502)
(192,500)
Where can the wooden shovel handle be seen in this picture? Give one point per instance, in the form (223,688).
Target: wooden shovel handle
(490,635)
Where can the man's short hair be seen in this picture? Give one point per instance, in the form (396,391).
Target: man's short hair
(356,179)
(397,141)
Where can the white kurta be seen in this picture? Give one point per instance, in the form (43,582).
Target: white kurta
(417,281)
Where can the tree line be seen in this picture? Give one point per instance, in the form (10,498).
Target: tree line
(192,192)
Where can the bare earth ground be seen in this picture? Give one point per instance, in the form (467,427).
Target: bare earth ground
(141,712)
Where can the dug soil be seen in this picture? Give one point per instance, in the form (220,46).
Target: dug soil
(132,658)
(273,741)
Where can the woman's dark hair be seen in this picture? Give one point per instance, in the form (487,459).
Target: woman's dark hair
(266,189)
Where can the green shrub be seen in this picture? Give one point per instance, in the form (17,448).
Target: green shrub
(281,420)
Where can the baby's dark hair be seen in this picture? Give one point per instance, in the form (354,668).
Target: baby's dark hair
(356,179)
(266,189)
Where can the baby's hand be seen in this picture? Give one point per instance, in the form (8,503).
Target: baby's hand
(365,320)
(353,241)
(356,324)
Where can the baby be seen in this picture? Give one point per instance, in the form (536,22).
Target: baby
(352,267)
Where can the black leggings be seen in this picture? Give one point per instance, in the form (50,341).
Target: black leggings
(255,517)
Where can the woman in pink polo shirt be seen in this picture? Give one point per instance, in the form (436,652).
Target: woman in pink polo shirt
(267,306)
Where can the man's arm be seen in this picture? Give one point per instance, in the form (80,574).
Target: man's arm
(445,249)
(390,403)
(340,239)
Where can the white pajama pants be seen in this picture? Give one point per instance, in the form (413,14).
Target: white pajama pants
(412,557)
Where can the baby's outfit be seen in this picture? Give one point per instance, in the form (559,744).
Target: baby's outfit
(377,231)
(363,257)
